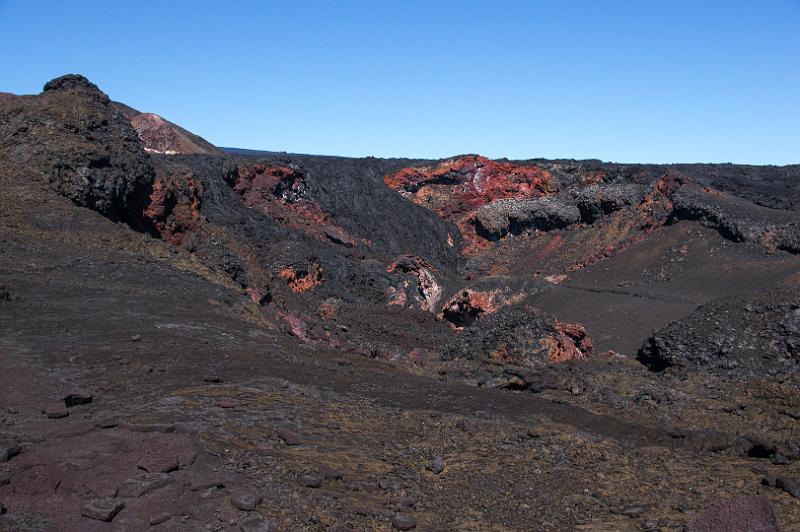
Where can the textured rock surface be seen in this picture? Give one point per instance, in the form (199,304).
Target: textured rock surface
(502,217)
(523,337)
(596,201)
(753,333)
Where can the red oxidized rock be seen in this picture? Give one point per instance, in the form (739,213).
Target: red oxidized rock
(572,343)
(297,327)
(281,193)
(469,304)
(174,207)
(456,189)
(429,291)
(302,279)
(419,356)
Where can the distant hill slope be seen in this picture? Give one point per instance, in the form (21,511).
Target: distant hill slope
(159,135)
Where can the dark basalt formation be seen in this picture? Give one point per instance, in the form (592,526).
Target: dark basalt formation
(71,136)
(756,334)
(194,338)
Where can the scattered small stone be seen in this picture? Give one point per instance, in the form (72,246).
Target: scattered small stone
(258,524)
(311,481)
(107,423)
(403,522)
(7,452)
(212,378)
(635,510)
(329,472)
(159,518)
(136,487)
(403,502)
(779,459)
(535,432)
(537,382)
(246,500)
(102,509)
(205,484)
(288,437)
(436,465)
(55,410)
(789,485)
(384,484)
(136,338)
(77,396)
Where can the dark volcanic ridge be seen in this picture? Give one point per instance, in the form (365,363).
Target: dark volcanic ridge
(274,341)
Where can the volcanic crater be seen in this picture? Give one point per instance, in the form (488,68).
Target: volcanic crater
(200,338)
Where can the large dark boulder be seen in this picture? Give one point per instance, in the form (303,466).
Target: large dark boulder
(520,336)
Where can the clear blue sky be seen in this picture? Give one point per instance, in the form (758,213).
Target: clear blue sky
(629,81)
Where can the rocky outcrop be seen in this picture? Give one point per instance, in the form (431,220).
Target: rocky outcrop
(473,303)
(173,210)
(749,333)
(302,278)
(282,193)
(473,180)
(427,291)
(737,219)
(786,237)
(457,188)
(596,201)
(72,137)
(520,336)
(261,224)
(510,216)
